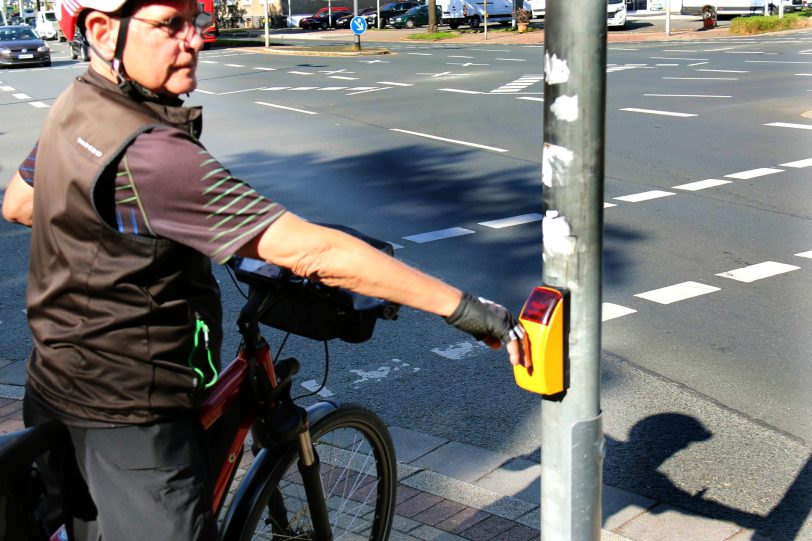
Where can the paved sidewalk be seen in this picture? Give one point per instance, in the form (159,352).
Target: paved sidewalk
(449,491)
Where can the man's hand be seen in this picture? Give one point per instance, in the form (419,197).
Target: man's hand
(18,202)
(493,324)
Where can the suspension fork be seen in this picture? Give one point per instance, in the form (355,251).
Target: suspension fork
(310,470)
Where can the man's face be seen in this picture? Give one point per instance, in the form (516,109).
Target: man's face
(158,58)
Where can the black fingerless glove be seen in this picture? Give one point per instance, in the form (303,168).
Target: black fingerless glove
(484,319)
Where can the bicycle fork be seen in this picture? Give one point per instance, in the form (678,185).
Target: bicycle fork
(310,468)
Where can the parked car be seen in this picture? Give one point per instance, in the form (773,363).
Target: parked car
(417,16)
(22,45)
(392,9)
(47,25)
(343,21)
(321,19)
(79,47)
(616,14)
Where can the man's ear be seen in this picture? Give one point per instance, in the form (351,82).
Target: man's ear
(102,32)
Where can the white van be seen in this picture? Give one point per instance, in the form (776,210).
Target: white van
(472,12)
(47,26)
(537,7)
(724,7)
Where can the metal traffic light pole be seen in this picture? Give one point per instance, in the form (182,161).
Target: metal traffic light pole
(572,442)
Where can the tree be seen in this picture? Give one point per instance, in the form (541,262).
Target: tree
(432,26)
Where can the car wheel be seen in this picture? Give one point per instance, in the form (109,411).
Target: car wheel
(384,22)
(453,26)
(409,23)
(474,22)
(46,64)
(324,26)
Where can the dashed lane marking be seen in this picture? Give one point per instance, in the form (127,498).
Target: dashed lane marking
(40,105)
(790,125)
(685,96)
(644,196)
(529,98)
(758,271)
(455,141)
(611,311)
(286,108)
(754,173)
(343,77)
(237,66)
(678,58)
(391,83)
(441,234)
(514,220)
(708,70)
(702,184)
(807,255)
(656,112)
(609,205)
(265,69)
(677,292)
(701,78)
(798,164)
(373,89)
(22,96)
(7,88)
(460,91)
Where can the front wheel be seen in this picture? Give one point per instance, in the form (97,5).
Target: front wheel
(358,475)
(409,23)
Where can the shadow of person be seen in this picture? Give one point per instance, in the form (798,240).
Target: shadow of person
(657,438)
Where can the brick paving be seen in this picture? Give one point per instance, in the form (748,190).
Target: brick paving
(431,517)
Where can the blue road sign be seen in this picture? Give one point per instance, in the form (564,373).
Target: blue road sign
(358,25)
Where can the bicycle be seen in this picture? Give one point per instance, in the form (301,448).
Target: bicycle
(321,472)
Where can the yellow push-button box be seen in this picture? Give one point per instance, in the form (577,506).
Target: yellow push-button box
(543,318)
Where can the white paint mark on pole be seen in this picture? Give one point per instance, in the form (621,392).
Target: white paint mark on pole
(557,236)
(554,160)
(677,292)
(556,70)
(565,108)
(758,271)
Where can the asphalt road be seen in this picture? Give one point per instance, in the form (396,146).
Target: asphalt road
(437,148)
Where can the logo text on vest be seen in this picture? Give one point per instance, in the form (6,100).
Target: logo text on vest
(93,150)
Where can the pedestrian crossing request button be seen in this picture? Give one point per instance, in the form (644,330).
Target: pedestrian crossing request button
(543,317)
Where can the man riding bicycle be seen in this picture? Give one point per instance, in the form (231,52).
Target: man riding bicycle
(127,210)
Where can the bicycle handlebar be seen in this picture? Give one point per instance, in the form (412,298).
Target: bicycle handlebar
(292,303)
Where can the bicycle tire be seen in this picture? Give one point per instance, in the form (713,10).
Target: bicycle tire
(359,477)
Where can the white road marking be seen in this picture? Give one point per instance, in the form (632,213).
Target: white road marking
(685,96)
(39,104)
(530,98)
(607,205)
(265,69)
(754,173)
(457,141)
(391,83)
(369,90)
(514,220)
(655,112)
(343,77)
(677,292)
(702,184)
(455,352)
(441,234)
(276,88)
(677,58)
(803,74)
(701,78)
(465,64)
(22,96)
(235,65)
(612,311)
(643,196)
(7,88)
(512,59)
(243,90)
(807,255)
(304,88)
(460,91)
(666,65)
(460,56)
(758,271)
(722,71)
(286,108)
(778,62)
(744,52)
(790,125)
(799,164)
(333,88)
(208,62)
(311,385)
(697,64)
(420,54)
(205,92)
(301,72)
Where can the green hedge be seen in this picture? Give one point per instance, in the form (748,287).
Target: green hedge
(761,24)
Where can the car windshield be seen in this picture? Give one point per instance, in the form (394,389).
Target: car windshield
(16,34)
(388,7)
(616,1)
(413,11)
(50,16)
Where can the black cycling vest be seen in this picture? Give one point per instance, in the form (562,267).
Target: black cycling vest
(113,316)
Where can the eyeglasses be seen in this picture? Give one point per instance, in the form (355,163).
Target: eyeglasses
(178,26)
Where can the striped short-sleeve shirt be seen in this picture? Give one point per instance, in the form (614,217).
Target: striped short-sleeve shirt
(167,185)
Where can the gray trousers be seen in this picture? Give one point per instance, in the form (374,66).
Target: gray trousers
(131,483)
